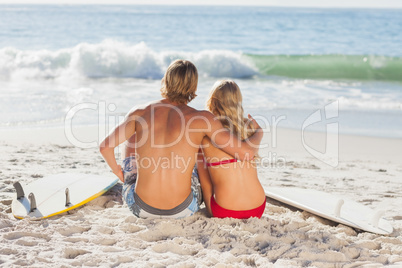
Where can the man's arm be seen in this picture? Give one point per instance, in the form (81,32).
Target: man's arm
(120,134)
(224,140)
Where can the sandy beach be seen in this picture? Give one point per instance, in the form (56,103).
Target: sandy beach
(104,233)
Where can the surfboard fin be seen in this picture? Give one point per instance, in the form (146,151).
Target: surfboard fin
(20,191)
(32,202)
(338,208)
(68,203)
(376,218)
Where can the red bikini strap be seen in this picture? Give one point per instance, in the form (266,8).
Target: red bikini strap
(222,162)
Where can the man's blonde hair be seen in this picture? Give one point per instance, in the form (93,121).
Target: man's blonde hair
(180,82)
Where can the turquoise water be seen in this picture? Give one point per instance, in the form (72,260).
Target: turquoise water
(351,67)
(287,61)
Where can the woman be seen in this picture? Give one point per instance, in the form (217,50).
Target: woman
(230,188)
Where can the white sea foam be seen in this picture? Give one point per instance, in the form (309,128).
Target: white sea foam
(128,75)
(116,59)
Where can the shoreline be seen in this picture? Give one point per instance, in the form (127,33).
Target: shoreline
(284,140)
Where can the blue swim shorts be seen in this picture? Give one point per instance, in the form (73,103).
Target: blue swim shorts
(142,210)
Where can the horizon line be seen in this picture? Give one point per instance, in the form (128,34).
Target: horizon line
(200,4)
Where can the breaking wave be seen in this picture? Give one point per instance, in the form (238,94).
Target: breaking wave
(115,59)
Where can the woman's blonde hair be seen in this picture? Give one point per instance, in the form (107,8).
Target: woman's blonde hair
(180,82)
(225,102)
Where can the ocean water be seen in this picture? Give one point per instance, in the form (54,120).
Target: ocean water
(91,64)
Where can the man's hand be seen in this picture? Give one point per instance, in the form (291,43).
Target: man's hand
(253,123)
(119,173)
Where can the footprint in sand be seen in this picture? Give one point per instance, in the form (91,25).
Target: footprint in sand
(71,253)
(76,239)
(6,202)
(18,235)
(105,241)
(73,230)
(27,242)
(174,248)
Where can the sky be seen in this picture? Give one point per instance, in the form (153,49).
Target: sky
(284,3)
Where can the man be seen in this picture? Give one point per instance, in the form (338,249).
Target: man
(163,141)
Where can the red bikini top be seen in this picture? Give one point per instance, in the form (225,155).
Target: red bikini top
(221,162)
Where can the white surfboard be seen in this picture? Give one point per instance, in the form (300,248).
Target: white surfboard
(334,208)
(55,194)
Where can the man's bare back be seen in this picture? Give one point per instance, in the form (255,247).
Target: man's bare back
(166,152)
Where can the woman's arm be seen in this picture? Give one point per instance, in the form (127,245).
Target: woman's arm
(205,180)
